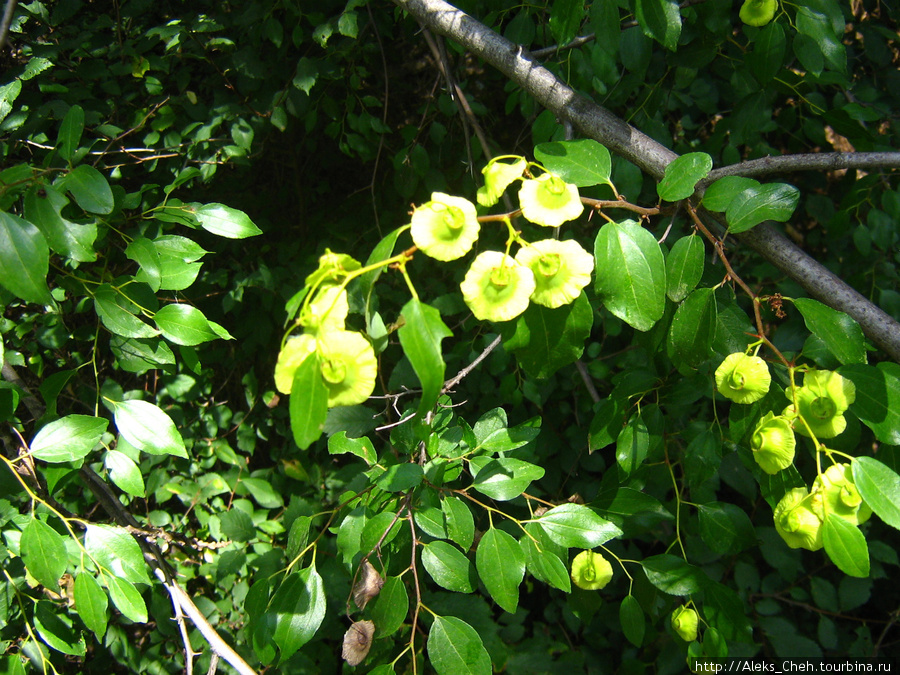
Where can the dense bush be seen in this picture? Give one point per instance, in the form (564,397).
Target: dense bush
(328,338)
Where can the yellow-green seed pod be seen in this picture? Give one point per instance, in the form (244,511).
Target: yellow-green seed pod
(743,378)
(835,492)
(821,402)
(296,349)
(499,173)
(758,12)
(796,521)
(548,200)
(561,269)
(591,571)
(685,621)
(446,227)
(496,287)
(773,443)
(348,366)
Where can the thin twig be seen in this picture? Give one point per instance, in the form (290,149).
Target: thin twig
(453,381)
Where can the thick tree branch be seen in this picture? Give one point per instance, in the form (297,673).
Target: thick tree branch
(826,161)
(594,121)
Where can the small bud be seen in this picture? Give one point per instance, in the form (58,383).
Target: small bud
(743,378)
(796,521)
(773,443)
(835,492)
(548,200)
(591,571)
(684,621)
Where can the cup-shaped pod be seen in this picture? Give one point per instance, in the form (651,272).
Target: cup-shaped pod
(797,522)
(446,227)
(821,402)
(743,378)
(550,201)
(499,174)
(834,491)
(685,622)
(561,270)
(773,443)
(496,287)
(591,571)
(295,350)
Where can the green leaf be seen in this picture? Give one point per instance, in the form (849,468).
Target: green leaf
(566,17)
(723,191)
(846,546)
(609,416)
(55,632)
(117,313)
(237,525)
(632,445)
(544,558)
(299,608)
(306,75)
(817,26)
(184,325)
(772,201)
(877,403)
(127,599)
(660,20)
(90,189)
(768,53)
(725,528)
(339,444)
(366,282)
(724,610)
(70,132)
(24,260)
(401,477)
(43,551)
(68,439)
(390,607)
(840,333)
(630,273)
(91,603)
(226,221)
(879,487)
(177,268)
(684,267)
(501,566)
(448,567)
(682,175)
(420,337)
(583,162)
(577,526)
(43,208)
(125,473)
(148,428)
(544,340)
(672,574)
(631,617)
(460,524)
(455,648)
(114,549)
(504,478)
(693,330)
(309,403)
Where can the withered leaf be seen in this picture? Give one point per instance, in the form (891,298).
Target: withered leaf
(368,585)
